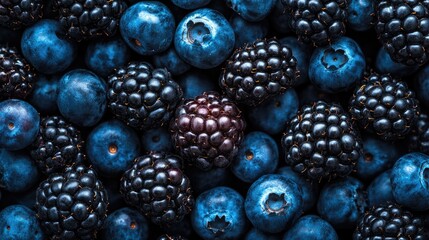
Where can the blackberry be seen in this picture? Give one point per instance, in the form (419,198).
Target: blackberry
(171,237)
(403,28)
(319,22)
(16,75)
(16,14)
(157,186)
(389,222)
(85,19)
(71,205)
(143,97)
(57,146)
(321,142)
(207,130)
(384,105)
(418,139)
(258,71)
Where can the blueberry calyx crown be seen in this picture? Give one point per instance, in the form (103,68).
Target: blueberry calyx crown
(218,225)
(276,204)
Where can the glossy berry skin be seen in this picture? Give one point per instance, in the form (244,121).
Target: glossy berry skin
(204,38)
(112,146)
(82,97)
(257,155)
(273,203)
(158,24)
(102,57)
(18,172)
(16,14)
(422,85)
(202,181)
(196,82)
(157,139)
(311,227)
(409,179)
(255,234)
(19,222)
(219,213)
(345,209)
(385,64)
(19,124)
(361,14)
(125,224)
(247,32)
(418,140)
(45,92)
(46,49)
(252,10)
(380,190)
(170,60)
(190,4)
(302,52)
(337,67)
(271,115)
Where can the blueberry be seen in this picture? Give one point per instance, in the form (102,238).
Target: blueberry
(157,139)
(19,222)
(385,64)
(247,32)
(251,10)
(125,223)
(311,227)
(422,85)
(380,190)
(196,82)
(171,61)
(302,52)
(190,4)
(360,14)
(255,234)
(45,92)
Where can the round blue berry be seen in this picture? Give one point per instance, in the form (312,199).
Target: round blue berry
(194,83)
(311,227)
(19,222)
(385,64)
(252,10)
(190,4)
(171,61)
(157,139)
(125,224)
(247,32)
(360,14)
(45,92)
(380,190)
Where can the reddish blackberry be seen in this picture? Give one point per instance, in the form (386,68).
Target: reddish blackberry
(157,186)
(318,21)
(258,71)
(16,14)
(403,28)
(385,106)
(389,222)
(71,205)
(321,142)
(84,19)
(207,130)
(143,97)
(16,75)
(418,140)
(57,146)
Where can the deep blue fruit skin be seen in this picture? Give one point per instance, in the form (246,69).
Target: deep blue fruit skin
(204,180)
(377,157)
(311,227)
(280,19)
(194,83)
(337,67)
(219,214)
(309,189)
(112,147)
(147,27)
(252,10)
(19,124)
(18,172)
(271,115)
(102,57)
(45,92)
(422,85)
(302,52)
(342,202)
(255,234)
(247,32)
(82,97)
(125,224)
(157,139)
(204,38)
(190,4)
(380,190)
(273,203)
(257,155)
(46,49)
(410,181)
(385,64)
(171,60)
(360,14)
(18,222)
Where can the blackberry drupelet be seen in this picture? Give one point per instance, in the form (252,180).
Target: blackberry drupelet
(157,186)
(384,105)
(319,22)
(71,205)
(85,19)
(258,71)
(208,130)
(418,139)
(143,97)
(16,75)
(58,145)
(389,222)
(16,14)
(403,28)
(321,142)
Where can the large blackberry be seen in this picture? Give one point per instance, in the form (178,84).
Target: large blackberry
(258,71)
(57,146)
(207,130)
(385,106)
(71,205)
(418,140)
(157,186)
(403,28)
(389,222)
(321,142)
(84,19)
(16,14)
(143,97)
(16,75)
(317,21)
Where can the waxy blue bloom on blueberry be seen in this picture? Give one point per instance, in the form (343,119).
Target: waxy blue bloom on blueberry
(247,32)
(171,61)
(19,222)
(196,82)
(156,139)
(252,10)
(45,92)
(380,190)
(361,14)
(190,4)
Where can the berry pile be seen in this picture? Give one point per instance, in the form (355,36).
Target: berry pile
(209,119)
